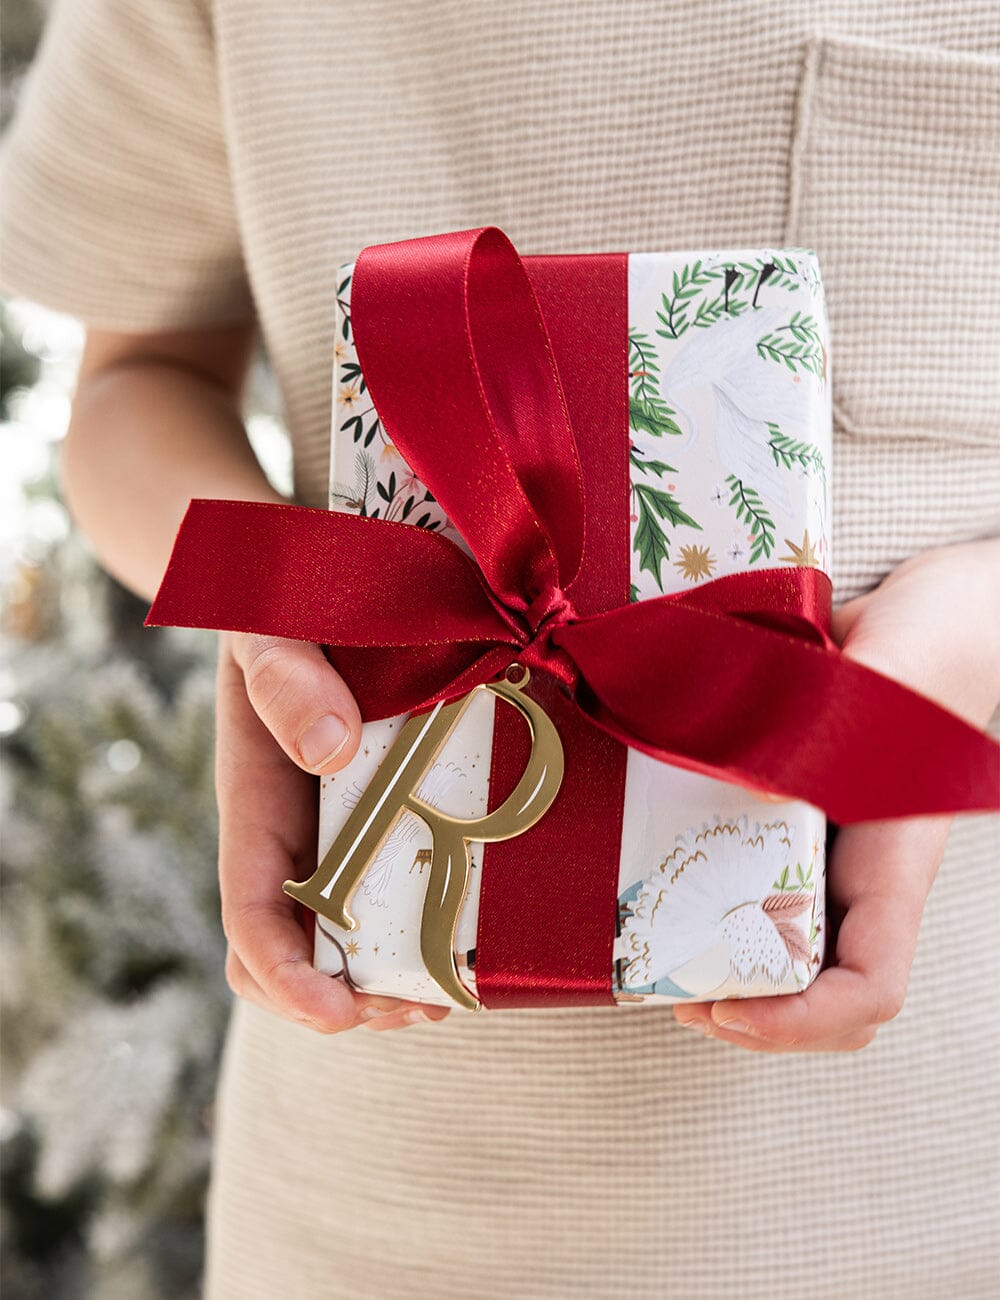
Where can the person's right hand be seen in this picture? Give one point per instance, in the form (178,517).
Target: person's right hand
(283,717)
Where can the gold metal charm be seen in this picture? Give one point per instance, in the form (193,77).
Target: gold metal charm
(393,791)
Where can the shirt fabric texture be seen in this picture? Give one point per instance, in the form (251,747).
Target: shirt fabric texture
(193,163)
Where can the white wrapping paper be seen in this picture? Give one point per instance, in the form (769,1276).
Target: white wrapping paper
(720,891)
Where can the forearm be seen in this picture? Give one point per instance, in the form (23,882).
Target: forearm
(145,436)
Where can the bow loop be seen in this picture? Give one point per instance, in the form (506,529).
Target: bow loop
(459,365)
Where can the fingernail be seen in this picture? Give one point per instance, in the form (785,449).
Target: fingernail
(372,1013)
(736,1026)
(323,741)
(415,1017)
(702,1026)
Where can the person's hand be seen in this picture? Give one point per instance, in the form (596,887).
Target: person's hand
(933,624)
(282,713)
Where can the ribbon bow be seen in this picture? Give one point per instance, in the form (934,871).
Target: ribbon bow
(737,679)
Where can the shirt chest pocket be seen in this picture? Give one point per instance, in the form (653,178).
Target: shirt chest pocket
(896,185)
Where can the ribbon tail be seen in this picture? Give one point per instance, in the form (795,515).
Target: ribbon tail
(760,708)
(406,609)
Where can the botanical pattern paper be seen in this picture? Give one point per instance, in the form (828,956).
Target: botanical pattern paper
(720,891)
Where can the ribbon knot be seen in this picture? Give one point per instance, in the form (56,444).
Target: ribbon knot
(550,610)
(547,613)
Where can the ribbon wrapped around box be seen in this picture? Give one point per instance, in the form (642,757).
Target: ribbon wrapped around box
(535,700)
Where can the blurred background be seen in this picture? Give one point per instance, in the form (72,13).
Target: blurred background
(113,1002)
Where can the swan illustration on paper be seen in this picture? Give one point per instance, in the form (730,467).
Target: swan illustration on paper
(435,787)
(745,395)
(724,891)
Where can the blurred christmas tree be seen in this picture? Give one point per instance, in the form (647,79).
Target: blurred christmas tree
(113,997)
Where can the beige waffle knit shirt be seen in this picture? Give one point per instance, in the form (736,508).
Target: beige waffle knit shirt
(178,163)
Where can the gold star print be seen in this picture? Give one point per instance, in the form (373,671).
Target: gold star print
(375,950)
(695,562)
(804,556)
(351,948)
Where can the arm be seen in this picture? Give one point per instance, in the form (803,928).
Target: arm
(155,421)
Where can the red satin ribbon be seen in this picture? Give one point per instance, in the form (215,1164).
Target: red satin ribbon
(737,678)
(569,861)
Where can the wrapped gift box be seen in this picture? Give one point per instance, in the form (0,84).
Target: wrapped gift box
(720,890)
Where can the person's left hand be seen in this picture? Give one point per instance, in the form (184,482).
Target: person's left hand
(933,624)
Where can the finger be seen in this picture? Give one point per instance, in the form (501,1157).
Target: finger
(879,877)
(267,834)
(301,698)
(846,615)
(373,1011)
(276,955)
(376,1012)
(699,1019)
(243,984)
(865,989)
(278,976)
(403,1015)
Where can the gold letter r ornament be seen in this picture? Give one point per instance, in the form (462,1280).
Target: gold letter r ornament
(393,791)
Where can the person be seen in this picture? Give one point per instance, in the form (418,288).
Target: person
(181,177)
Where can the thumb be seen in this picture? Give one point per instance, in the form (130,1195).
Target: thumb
(301,699)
